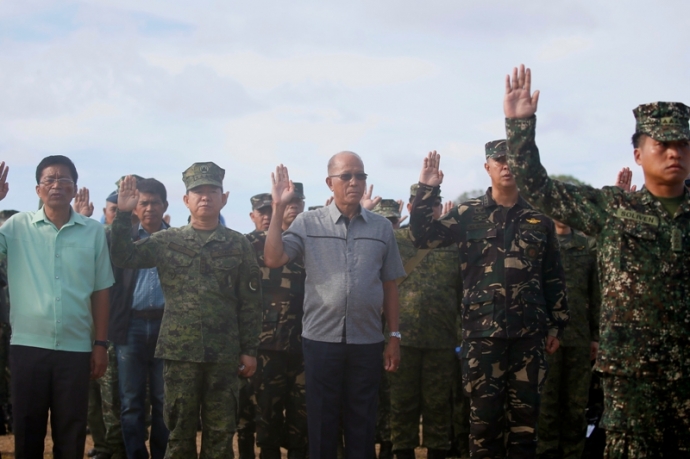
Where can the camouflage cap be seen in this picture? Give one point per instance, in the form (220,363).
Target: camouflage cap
(314,207)
(663,121)
(496,149)
(299,189)
(199,174)
(261,200)
(415,187)
(138,177)
(388,208)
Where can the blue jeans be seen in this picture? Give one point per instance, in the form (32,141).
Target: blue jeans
(137,365)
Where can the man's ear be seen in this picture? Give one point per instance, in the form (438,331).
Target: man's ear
(637,153)
(185,199)
(409,207)
(329,182)
(486,166)
(165,206)
(224,199)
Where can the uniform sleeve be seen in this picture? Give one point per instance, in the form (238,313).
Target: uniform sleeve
(594,296)
(580,207)
(127,254)
(294,237)
(392,267)
(425,232)
(554,286)
(104,270)
(248,291)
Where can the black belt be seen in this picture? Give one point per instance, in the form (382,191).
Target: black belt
(149,314)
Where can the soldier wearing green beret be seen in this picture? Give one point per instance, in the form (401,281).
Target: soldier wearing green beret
(513,306)
(643,242)
(428,319)
(210,327)
(281,413)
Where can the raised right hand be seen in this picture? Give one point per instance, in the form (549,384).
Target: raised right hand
(4,186)
(128,195)
(282,189)
(431,175)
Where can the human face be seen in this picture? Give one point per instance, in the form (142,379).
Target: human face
(261,218)
(110,211)
(663,163)
(347,193)
(501,177)
(56,188)
(205,202)
(150,210)
(292,210)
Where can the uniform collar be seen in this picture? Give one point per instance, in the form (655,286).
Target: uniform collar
(648,199)
(337,215)
(488,200)
(74,218)
(189,233)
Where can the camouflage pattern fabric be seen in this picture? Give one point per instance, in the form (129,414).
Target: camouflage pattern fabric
(280,397)
(646,418)
(460,416)
(513,280)
(110,404)
(281,410)
(421,387)
(207,386)
(562,423)
(644,275)
(663,121)
(94,418)
(503,376)
(383,410)
(246,415)
(212,290)
(429,296)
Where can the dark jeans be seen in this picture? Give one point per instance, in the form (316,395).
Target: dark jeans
(45,380)
(342,379)
(137,365)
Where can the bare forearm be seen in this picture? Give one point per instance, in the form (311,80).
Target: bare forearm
(100,310)
(274,254)
(390,305)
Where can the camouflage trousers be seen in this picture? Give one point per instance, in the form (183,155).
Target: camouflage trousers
(246,425)
(281,411)
(460,416)
(383,411)
(191,387)
(503,379)
(646,418)
(104,411)
(94,417)
(421,387)
(562,423)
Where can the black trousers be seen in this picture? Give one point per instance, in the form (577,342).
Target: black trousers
(44,380)
(342,382)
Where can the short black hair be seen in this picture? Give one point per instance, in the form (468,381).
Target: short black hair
(56,160)
(636,139)
(152,186)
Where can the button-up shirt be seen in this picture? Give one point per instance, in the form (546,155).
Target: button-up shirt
(51,275)
(148,293)
(346,266)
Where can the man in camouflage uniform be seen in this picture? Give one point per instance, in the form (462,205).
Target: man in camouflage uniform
(211,323)
(514,305)
(562,423)
(643,244)
(279,381)
(428,320)
(5,332)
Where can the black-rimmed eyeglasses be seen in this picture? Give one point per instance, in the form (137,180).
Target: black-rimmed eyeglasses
(346,177)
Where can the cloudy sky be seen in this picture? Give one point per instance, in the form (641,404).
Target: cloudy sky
(149,87)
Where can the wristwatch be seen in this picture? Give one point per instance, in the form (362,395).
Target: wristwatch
(395,334)
(101,343)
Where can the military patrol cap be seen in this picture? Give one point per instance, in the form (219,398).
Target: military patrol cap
(299,189)
(663,121)
(388,208)
(496,149)
(199,174)
(415,187)
(314,207)
(261,200)
(112,197)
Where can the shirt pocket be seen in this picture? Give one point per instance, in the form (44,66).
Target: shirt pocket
(639,248)
(534,315)
(532,244)
(478,310)
(481,246)
(226,270)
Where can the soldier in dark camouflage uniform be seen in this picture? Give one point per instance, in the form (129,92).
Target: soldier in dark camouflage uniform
(279,381)
(562,423)
(211,323)
(514,304)
(429,299)
(5,332)
(643,247)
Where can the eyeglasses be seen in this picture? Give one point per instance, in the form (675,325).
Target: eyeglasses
(346,177)
(50,181)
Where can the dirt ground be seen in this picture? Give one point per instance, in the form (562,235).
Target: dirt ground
(7,447)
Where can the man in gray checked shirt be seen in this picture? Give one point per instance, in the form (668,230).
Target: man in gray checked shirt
(352,261)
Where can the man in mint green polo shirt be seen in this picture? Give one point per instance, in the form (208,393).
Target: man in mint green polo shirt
(59,275)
